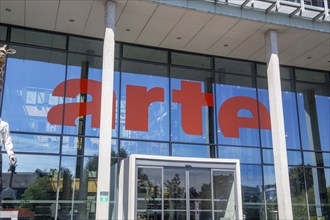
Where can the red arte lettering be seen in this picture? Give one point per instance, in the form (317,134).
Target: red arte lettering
(75,110)
(138,100)
(230,122)
(192,99)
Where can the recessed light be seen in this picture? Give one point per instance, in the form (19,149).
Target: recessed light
(71,20)
(179,38)
(8,9)
(127,29)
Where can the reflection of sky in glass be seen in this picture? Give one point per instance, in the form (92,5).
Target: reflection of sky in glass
(70,145)
(149,148)
(186,150)
(245,154)
(27,96)
(290,120)
(323,122)
(30,163)
(251,176)
(36,143)
(158,111)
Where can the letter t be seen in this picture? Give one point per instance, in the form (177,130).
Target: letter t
(192,99)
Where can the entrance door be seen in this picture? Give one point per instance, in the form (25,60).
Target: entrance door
(181,193)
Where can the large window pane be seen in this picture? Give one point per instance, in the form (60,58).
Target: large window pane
(286,73)
(186,150)
(270,185)
(34,185)
(81,146)
(200,190)
(234,66)
(85,45)
(251,178)
(78,184)
(252,212)
(142,147)
(237,110)
(38,38)
(36,143)
(192,106)
(143,53)
(144,112)
(298,193)
(268,156)
(314,117)
(318,184)
(223,194)
(191,60)
(3,33)
(289,111)
(149,193)
(294,157)
(174,192)
(312,76)
(31,77)
(317,159)
(244,154)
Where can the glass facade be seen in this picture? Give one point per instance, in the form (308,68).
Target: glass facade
(165,103)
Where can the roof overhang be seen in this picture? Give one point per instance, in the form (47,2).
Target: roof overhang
(179,28)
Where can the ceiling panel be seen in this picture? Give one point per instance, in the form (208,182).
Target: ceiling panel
(16,15)
(76,10)
(322,64)
(189,25)
(259,55)
(130,26)
(155,32)
(235,36)
(302,46)
(169,13)
(133,19)
(250,46)
(211,33)
(47,10)
(95,22)
(311,56)
(160,25)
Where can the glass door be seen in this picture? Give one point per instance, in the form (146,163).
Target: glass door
(185,193)
(200,194)
(175,193)
(223,194)
(149,193)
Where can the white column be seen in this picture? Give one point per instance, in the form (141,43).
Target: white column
(104,163)
(277,125)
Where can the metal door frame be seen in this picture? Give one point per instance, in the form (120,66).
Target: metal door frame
(127,205)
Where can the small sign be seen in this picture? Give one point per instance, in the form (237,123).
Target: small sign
(104,196)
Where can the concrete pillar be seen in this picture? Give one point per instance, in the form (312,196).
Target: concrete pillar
(104,162)
(277,125)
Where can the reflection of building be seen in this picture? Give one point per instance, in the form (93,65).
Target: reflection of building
(178,65)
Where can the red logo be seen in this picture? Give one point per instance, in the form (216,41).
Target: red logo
(138,100)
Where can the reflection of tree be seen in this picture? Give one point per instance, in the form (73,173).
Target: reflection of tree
(204,193)
(175,191)
(152,194)
(40,189)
